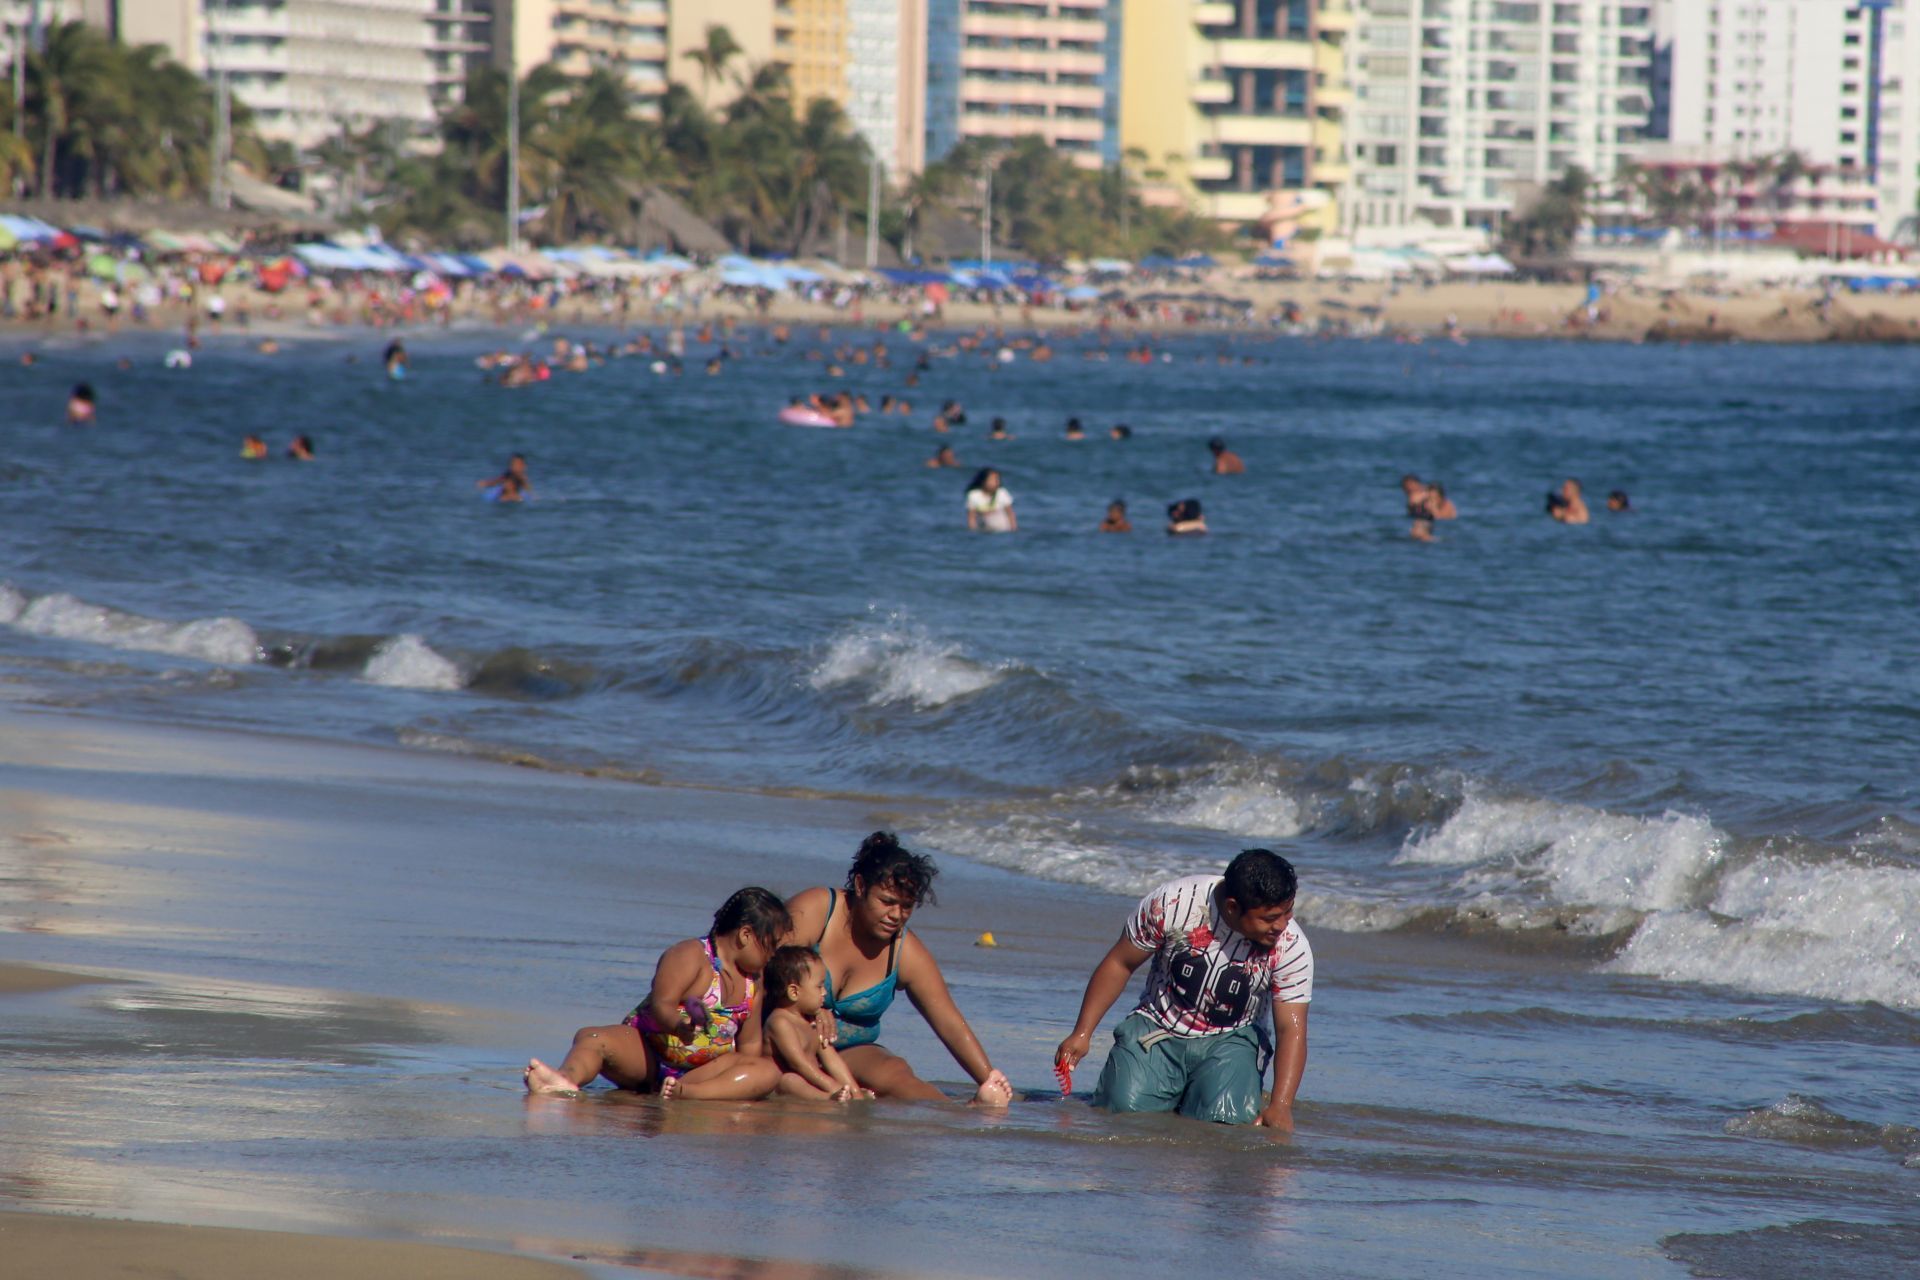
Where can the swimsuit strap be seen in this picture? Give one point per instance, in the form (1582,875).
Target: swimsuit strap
(833,899)
(720,978)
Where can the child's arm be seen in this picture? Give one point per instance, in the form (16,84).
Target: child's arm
(679,980)
(797,1050)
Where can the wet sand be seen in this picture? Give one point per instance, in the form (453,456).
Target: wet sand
(313,971)
(105,1249)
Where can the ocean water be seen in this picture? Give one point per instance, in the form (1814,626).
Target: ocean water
(1623,819)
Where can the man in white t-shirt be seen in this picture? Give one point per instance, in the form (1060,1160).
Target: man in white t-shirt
(1228,961)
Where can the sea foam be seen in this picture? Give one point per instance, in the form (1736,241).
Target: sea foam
(408,662)
(900,663)
(1586,857)
(1258,808)
(1832,931)
(227,641)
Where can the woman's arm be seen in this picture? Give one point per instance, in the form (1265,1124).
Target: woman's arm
(1013,521)
(920,977)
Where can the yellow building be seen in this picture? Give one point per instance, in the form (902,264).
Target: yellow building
(1235,108)
(811,38)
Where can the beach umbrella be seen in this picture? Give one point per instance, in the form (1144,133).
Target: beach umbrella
(8,239)
(1083,293)
(103,266)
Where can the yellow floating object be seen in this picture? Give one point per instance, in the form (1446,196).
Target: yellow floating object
(985,940)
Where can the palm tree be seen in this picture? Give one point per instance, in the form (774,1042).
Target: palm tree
(584,155)
(73,93)
(713,56)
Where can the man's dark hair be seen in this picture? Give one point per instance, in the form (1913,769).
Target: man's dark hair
(882,863)
(1260,878)
(786,967)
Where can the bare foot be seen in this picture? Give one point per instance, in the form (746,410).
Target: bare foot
(543,1079)
(994,1091)
(670,1088)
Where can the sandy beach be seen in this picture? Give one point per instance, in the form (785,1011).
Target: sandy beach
(1471,309)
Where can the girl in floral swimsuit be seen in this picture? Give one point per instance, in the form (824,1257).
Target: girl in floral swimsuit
(697,1034)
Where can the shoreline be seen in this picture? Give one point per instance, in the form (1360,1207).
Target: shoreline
(1406,312)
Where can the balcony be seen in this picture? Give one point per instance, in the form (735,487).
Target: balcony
(1209,168)
(1335,17)
(1214,15)
(1211,92)
(1234,206)
(1264,55)
(1335,97)
(1263,131)
(1333,173)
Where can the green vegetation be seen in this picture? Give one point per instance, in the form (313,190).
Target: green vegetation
(105,119)
(769,178)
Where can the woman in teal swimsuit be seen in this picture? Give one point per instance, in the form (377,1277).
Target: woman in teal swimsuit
(861,933)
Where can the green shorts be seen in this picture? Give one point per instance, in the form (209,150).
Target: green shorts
(1217,1077)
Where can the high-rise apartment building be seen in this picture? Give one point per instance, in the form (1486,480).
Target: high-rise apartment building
(644,42)
(626,37)
(459,38)
(308,68)
(1236,107)
(1464,105)
(887,80)
(1003,69)
(1835,83)
(814,49)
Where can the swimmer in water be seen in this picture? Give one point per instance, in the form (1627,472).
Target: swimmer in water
(1565,503)
(80,406)
(513,482)
(253,448)
(999,430)
(1618,501)
(1419,506)
(989,505)
(395,359)
(943,457)
(300,449)
(1116,521)
(1184,517)
(1225,461)
(1074,430)
(1121,431)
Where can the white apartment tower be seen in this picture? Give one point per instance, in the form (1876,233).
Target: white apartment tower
(1463,105)
(310,68)
(1836,81)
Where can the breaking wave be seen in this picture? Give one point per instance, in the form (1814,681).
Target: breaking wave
(896,662)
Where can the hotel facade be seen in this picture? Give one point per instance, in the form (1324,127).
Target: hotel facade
(1465,105)
(1237,108)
